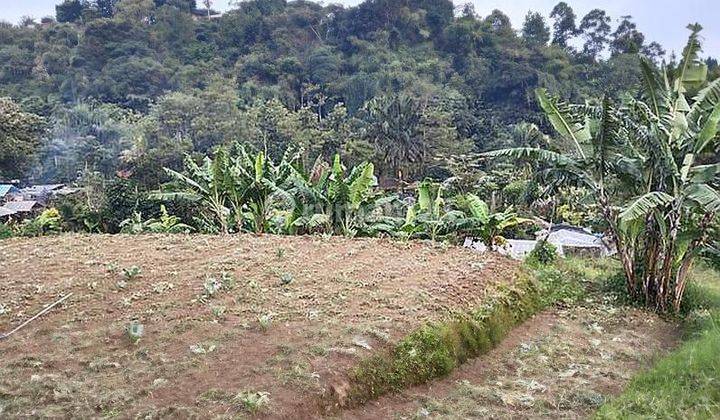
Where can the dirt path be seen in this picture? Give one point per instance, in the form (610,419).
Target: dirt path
(563,363)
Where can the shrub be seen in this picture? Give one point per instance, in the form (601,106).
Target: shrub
(5,231)
(48,222)
(544,253)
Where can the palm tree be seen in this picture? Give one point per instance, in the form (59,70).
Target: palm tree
(650,163)
(395,131)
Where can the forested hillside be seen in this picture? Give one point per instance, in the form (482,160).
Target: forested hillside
(133,85)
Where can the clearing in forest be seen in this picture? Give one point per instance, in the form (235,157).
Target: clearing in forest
(230,325)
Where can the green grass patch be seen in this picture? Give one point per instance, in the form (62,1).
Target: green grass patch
(686,383)
(435,350)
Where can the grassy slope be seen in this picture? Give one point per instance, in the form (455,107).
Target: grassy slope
(685,384)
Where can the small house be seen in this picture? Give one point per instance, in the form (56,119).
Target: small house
(41,193)
(20,207)
(8,192)
(573,240)
(6,213)
(568,240)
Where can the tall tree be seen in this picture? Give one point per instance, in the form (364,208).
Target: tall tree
(564,27)
(69,10)
(106,8)
(627,39)
(595,27)
(535,31)
(653,51)
(20,135)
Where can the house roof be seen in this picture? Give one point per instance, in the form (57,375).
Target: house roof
(41,189)
(20,206)
(4,212)
(7,188)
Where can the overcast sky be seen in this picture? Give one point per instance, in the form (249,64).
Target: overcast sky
(663,21)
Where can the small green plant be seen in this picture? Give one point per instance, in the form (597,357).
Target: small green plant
(203,348)
(227,280)
(132,272)
(48,222)
(286,278)
(544,253)
(167,223)
(5,231)
(280,253)
(252,401)
(265,321)
(219,311)
(212,285)
(135,332)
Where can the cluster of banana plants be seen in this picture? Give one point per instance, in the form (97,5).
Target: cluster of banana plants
(334,200)
(434,217)
(236,191)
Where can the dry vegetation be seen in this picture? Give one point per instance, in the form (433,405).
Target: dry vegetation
(230,325)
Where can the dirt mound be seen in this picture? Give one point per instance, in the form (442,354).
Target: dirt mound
(231,325)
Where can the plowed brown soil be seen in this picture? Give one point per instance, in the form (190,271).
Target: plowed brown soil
(293,313)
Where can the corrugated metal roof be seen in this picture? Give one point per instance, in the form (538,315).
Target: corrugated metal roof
(20,206)
(4,212)
(6,188)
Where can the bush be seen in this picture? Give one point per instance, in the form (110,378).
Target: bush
(48,222)
(544,253)
(5,231)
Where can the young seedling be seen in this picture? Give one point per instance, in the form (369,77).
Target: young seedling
(286,278)
(227,280)
(211,287)
(135,331)
(280,253)
(201,348)
(253,401)
(219,311)
(265,321)
(132,272)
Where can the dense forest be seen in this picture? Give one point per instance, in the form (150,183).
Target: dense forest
(132,85)
(108,93)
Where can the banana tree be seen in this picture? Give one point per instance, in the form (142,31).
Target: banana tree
(332,200)
(480,222)
(651,165)
(233,189)
(430,217)
(205,185)
(257,184)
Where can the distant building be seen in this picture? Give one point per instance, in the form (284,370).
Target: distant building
(199,14)
(9,192)
(6,213)
(41,193)
(569,240)
(27,206)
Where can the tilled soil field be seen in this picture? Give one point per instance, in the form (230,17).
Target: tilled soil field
(224,326)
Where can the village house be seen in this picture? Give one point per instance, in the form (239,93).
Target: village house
(568,240)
